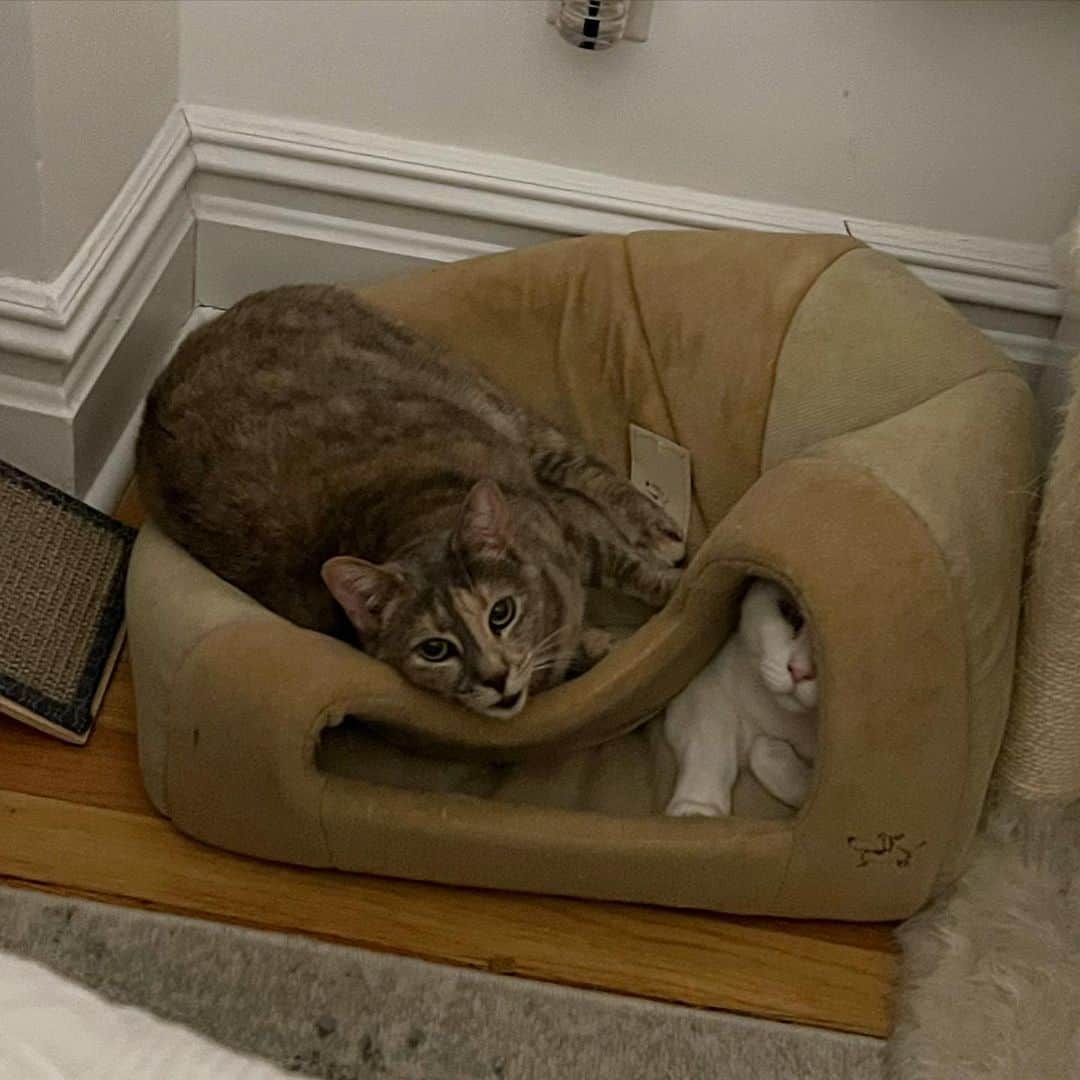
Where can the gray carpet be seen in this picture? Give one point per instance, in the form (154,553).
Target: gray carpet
(341,1013)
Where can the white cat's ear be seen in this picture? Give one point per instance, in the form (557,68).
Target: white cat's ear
(362,588)
(483,530)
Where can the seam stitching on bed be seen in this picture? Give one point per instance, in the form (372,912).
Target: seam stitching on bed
(804,451)
(695,498)
(856,246)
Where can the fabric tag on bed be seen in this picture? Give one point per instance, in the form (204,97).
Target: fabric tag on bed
(660,469)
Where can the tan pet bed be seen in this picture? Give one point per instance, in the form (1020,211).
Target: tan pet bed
(851,437)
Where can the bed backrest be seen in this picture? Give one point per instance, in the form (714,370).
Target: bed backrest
(676,331)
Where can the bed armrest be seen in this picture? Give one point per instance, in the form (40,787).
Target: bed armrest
(964,462)
(172,603)
(888,640)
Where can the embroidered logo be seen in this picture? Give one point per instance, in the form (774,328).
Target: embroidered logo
(884,848)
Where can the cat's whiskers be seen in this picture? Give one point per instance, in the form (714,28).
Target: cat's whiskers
(546,655)
(552,661)
(545,641)
(542,651)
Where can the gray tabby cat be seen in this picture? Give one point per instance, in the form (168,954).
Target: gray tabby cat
(325,460)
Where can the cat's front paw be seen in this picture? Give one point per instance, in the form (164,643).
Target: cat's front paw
(659,585)
(595,644)
(692,808)
(666,544)
(657,534)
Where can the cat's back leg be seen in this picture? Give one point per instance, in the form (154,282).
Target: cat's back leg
(779,770)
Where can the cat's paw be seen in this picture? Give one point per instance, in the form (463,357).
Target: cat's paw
(656,534)
(692,808)
(780,770)
(658,584)
(647,580)
(594,646)
(665,543)
(771,754)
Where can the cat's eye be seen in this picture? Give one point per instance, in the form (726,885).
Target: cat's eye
(436,649)
(502,614)
(792,615)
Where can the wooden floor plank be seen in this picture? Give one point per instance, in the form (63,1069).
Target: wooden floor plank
(673,956)
(103,773)
(117,711)
(130,508)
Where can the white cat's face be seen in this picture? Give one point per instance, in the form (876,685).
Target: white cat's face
(777,634)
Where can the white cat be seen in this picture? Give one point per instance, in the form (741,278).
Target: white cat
(754,704)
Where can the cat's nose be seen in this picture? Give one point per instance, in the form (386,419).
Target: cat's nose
(799,673)
(498,683)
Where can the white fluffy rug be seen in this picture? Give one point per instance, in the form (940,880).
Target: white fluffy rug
(990,987)
(55,1029)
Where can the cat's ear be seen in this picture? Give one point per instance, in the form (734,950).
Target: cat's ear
(483,530)
(362,588)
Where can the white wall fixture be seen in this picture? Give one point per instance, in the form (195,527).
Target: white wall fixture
(595,25)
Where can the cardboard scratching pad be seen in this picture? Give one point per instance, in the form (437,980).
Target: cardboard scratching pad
(62,570)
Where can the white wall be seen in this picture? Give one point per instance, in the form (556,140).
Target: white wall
(84,86)
(20,207)
(958,116)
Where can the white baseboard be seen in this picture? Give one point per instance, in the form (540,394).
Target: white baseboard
(52,321)
(75,353)
(261,241)
(294,155)
(1031,351)
(271,200)
(108,486)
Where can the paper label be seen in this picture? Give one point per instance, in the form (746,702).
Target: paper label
(660,469)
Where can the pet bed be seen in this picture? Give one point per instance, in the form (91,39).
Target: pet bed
(851,437)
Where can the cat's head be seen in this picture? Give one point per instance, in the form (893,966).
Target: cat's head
(464,615)
(776,631)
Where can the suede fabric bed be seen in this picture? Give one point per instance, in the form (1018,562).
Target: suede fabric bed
(851,436)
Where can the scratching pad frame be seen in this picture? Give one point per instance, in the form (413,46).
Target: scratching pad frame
(850,435)
(62,567)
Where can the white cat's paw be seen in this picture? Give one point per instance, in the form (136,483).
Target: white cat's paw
(780,770)
(768,753)
(691,808)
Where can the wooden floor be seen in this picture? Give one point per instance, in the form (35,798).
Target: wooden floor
(76,821)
